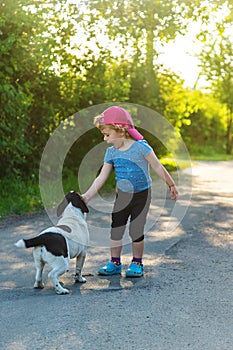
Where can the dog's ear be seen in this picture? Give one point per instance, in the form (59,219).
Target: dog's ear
(67,199)
(76,199)
(61,207)
(78,202)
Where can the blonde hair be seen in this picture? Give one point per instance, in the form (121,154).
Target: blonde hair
(117,128)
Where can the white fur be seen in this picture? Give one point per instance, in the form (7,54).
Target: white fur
(77,241)
(20,244)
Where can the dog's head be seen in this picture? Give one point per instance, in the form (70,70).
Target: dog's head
(76,200)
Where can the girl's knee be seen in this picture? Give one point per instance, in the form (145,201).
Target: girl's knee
(136,239)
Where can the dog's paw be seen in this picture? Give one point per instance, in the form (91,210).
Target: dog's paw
(79,279)
(62,291)
(38,285)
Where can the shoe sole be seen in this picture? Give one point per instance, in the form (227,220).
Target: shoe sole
(109,274)
(134,276)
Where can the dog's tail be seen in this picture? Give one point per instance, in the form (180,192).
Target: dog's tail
(55,243)
(20,244)
(32,242)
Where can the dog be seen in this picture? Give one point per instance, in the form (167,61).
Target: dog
(58,244)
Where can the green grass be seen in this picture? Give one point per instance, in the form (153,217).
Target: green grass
(212,157)
(19,197)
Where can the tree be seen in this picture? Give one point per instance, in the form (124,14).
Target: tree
(217,66)
(138,25)
(34,38)
(16,98)
(205,132)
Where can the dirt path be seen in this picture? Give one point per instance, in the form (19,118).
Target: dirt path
(184,301)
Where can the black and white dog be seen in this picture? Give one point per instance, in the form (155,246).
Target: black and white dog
(58,244)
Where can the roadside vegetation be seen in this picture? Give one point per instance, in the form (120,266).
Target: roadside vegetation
(58,58)
(19,197)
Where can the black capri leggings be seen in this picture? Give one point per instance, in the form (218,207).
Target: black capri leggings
(135,206)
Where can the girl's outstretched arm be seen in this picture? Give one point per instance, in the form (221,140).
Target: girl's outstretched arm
(98,182)
(163,174)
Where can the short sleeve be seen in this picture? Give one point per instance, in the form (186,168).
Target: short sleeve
(108,156)
(145,148)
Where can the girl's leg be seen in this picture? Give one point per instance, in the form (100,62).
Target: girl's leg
(138,219)
(138,249)
(120,217)
(116,248)
(113,267)
(140,207)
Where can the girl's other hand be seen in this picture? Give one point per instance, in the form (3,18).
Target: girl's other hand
(173,192)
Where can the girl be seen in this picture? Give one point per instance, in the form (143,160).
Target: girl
(130,156)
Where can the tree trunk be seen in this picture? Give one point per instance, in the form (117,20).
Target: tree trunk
(229,133)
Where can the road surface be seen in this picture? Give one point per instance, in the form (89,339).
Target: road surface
(184,301)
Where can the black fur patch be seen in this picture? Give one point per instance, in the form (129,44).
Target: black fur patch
(55,243)
(75,199)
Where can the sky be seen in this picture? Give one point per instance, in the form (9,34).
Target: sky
(182,61)
(181,56)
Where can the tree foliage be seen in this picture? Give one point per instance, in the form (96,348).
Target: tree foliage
(59,57)
(217,64)
(205,132)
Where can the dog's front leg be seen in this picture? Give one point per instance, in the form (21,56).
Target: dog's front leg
(79,265)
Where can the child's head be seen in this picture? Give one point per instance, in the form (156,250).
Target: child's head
(118,128)
(118,119)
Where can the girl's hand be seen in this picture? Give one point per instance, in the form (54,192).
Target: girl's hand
(173,192)
(84,198)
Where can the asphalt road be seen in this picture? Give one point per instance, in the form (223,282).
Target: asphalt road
(184,301)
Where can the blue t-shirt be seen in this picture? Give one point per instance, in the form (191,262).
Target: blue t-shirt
(130,166)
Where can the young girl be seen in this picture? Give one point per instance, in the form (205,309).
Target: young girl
(130,156)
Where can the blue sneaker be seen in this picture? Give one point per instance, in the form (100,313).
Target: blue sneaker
(134,270)
(110,269)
